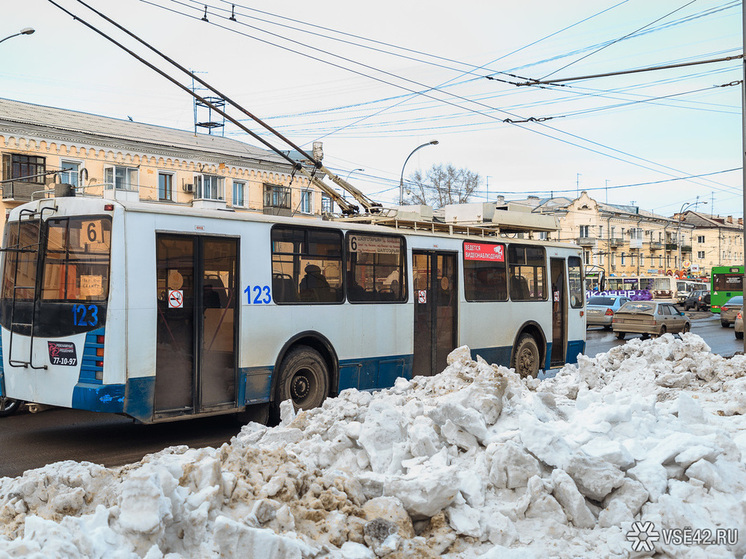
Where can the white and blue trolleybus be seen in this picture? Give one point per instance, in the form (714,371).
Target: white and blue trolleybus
(164,312)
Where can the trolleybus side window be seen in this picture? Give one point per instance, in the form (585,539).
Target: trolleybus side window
(22,243)
(375,268)
(306,265)
(485,272)
(527,273)
(575,275)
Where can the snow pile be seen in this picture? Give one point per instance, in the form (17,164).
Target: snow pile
(472,462)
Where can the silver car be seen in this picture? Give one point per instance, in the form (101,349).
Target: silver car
(649,318)
(738,326)
(729,310)
(600,309)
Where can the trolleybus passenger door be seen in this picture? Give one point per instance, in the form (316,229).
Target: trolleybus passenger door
(559,311)
(436,310)
(195,356)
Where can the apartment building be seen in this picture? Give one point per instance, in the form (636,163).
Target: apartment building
(626,240)
(100,156)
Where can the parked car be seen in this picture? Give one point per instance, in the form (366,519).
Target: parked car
(8,406)
(698,300)
(729,310)
(738,326)
(600,310)
(649,318)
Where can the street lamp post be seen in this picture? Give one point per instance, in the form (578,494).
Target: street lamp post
(348,174)
(678,240)
(24,31)
(401,179)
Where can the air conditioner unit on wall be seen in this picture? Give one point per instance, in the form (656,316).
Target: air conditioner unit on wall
(188,187)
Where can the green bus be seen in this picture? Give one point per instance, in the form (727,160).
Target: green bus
(725,282)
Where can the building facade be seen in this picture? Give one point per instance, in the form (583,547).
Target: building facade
(99,156)
(628,241)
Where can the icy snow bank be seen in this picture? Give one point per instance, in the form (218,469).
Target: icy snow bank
(472,462)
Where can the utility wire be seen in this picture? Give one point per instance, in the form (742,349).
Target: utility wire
(512,116)
(619,39)
(623,72)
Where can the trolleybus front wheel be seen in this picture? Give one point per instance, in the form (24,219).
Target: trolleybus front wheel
(526,357)
(304,379)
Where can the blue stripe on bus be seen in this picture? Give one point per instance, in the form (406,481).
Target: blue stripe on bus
(374,372)
(574,347)
(254,385)
(140,398)
(2,370)
(97,397)
(496,355)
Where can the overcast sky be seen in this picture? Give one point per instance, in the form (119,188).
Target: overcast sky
(403,73)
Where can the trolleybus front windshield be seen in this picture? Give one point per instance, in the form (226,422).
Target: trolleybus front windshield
(74,283)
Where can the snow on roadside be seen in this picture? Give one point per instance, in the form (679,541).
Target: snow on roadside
(474,462)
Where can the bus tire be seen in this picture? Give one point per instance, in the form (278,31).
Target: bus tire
(620,335)
(9,406)
(526,357)
(724,323)
(304,379)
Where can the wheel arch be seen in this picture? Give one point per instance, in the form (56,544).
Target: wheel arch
(317,341)
(535,330)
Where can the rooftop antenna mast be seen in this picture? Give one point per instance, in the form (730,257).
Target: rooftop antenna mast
(203,113)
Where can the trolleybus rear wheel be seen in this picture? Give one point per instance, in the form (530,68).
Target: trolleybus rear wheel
(526,357)
(9,406)
(304,379)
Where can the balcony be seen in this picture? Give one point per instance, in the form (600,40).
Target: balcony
(616,242)
(671,247)
(656,245)
(21,191)
(635,244)
(587,242)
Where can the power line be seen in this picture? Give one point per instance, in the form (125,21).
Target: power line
(619,39)
(624,72)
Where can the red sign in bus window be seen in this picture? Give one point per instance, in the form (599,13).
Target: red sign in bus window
(484,251)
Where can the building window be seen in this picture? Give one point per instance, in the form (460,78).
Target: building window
(208,187)
(120,178)
(69,174)
(623,257)
(326,204)
(306,199)
(584,230)
(165,186)
(239,189)
(26,168)
(700,238)
(276,196)
(701,254)
(642,260)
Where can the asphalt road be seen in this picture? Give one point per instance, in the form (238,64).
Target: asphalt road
(32,440)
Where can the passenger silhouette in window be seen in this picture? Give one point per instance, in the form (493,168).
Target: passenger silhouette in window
(313,286)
